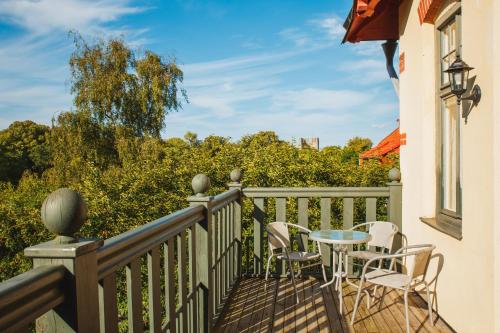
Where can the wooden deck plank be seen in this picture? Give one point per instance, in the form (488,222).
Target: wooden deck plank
(300,309)
(252,309)
(321,313)
(257,307)
(279,306)
(378,317)
(247,304)
(334,317)
(267,314)
(359,325)
(398,300)
(229,321)
(290,301)
(309,308)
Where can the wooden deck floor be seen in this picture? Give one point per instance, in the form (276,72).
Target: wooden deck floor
(253,309)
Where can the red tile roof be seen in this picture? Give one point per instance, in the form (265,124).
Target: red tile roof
(389,144)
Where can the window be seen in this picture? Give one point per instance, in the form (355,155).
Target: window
(448,123)
(450,157)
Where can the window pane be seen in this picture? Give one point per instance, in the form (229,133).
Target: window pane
(448,42)
(450,154)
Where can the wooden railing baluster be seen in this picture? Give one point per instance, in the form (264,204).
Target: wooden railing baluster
(258,227)
(281,217)
(348,220)
(216,260)
(170,284)
(134,296)
(181,266)
(154,290)
(226,249)
(371,209)
(326,211)
(108,306)
(303,220)
(192,279)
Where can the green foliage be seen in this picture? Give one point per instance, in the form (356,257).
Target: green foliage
(23,148)
(128,181)
(116,87)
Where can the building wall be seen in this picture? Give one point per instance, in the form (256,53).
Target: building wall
(470,275)
(496,157)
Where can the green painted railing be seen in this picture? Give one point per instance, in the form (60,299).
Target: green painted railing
(256,245)
(177,271)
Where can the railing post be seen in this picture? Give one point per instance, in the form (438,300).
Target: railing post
(203,236)
(396,204)
(63,213)
(236,184)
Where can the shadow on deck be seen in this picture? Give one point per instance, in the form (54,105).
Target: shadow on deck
(251,308)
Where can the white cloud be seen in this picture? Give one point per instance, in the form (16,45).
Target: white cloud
(331,25)
(43,16)
(365,71)
(33,66)
(320,99)
(298,37)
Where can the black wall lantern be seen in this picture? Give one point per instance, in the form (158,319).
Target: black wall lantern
(458,73)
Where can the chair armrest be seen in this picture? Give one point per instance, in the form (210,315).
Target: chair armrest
(357,226)
(297,226)
(418,246)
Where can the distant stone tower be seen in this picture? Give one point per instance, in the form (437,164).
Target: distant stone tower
(312,143)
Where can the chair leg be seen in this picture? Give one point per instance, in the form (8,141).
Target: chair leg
(293,280)
(429,302)
(407,317)
(356,304)
(267,271)
(381,302)
(323,270)
(368,298)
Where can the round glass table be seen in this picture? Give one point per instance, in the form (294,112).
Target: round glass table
(339,239)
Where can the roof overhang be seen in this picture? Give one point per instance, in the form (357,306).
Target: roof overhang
(372,20)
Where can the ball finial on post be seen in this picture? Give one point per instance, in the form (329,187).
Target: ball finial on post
(236,175)
(200,184)
(63,213)
(394,175)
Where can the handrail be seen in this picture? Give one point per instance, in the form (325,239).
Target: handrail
(221,200)
(311,192)
(121,249)
(29,295)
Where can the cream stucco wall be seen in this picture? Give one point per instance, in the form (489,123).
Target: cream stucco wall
(470,274)
(496,157)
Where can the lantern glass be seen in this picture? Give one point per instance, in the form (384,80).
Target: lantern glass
(458,81)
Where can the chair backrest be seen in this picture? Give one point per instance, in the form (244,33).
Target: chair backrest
(418,259)
(382,234)
(278,235)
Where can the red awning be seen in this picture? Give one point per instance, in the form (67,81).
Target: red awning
(372,20)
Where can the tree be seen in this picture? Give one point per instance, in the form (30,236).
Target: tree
(359,144)
(116,87)
(23,147)
(192,139)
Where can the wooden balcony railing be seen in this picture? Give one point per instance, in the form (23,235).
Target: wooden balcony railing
(174,274)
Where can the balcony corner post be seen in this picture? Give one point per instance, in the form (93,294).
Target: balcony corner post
(63,213)
(396,204)
(204,255)
(235,183)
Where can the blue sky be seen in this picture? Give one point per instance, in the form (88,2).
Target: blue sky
(249,65)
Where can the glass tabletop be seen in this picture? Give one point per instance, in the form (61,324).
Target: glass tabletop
(340,236)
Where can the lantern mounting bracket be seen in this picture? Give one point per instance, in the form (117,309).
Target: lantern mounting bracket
(475,97)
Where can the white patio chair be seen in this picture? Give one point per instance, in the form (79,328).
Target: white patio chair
(382,238)
(382,233)
(414,261)
(279,238)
